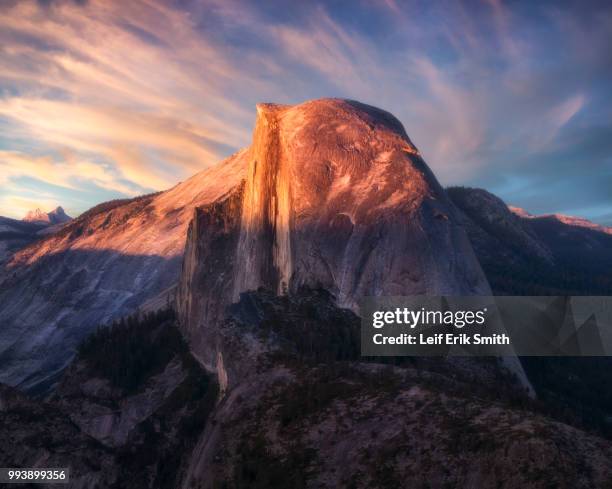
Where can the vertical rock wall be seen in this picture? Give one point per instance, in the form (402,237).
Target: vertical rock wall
(337,196)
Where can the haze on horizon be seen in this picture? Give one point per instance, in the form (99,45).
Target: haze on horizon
(108,99)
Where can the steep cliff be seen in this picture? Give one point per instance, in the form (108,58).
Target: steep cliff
(336,196)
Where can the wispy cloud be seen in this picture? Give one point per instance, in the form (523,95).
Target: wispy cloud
(127,97)
(99,81)
(558,117)
(69,172)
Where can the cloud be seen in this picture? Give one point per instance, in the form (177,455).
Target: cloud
(452,114)
(562,114)
(101,130)
(90,81)
(134,96)
(345,58)
(70,173)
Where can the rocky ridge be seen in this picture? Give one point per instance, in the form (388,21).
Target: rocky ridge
(126,412)
(104,264)
(301,408)
(523,254)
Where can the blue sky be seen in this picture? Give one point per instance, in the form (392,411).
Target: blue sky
(102,99)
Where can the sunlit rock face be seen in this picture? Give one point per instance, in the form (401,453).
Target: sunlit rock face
(336,196)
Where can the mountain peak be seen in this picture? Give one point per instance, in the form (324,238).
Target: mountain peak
(59,214)
(327,164)
(56,216)
(336,196)
(36,216)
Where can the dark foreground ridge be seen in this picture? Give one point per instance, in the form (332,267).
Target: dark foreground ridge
(299,408)
(125,414)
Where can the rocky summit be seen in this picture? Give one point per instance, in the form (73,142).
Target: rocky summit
(335,196)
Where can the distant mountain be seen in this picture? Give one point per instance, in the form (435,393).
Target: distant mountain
(565,219)
(56,216)
(525,254)
(17,234)
(353,207)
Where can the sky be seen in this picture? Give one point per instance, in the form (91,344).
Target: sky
(111,99)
